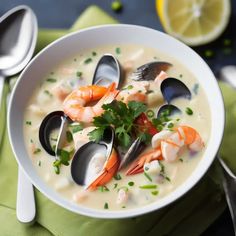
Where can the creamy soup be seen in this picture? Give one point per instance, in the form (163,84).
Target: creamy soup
(175,144)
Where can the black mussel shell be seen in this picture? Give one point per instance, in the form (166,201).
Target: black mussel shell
(51,122)
(168,109)
(132,153)
(172,88)
(84,154)
(108,70)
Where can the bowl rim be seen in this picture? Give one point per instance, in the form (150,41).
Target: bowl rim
(93,212)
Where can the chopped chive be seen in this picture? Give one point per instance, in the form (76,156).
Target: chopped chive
(115,185)
(117,177)
(189,111)
(129,87)
(76,128)
(57,163)
(131,183)
(227,42)
(48,93)
(31,140)
(118,51)
(167,178)
(28,122)
(37,150)
(155,57)
(162,167)
(150,113)
(54,139)
(170,125)
(57,170)
(103,188)
(154,193)
(116,5)
(88,60)
(181,75)
(39,163)
(148,176)
(106,205)
(69,136)
(51,80)
(94,53)
(151,186)
(160,127)
(181,160)
(209,53)
(149,91)
(79,73)
(75,59)
(123,206)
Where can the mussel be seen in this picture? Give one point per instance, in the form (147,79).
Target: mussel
(84,170)
(172,88)
(169,109)
(149,71)
(54,120)
(108,70)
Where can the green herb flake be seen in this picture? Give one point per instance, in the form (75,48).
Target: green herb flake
(28,122)
(106,206)
(51,80)
(64,156)
(149,91)
(170,125)
(79,74)
(39,163)
(150,186)
(94,54)
(227,42)
(75,59)
(69,136)
(123,207)
(131,183)
(181,160)
(189,111)
(115,185)
(117,177)
(155,193)
(209,53)
(167,178)
(103,189)
(181,76)
(57,170)
(76,128)
(148,176)
(31,140)
(118,51)
(116,6)
(88,60)
(48,93)
(54,139)
(150,113)
(37,150)
(195,88)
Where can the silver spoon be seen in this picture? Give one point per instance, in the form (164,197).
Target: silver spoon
(228,75)
(18,34)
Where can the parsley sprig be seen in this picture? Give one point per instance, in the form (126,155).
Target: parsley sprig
(122,118)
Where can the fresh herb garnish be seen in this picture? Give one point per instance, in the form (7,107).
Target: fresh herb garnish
(121,117)
(37,150)
(103,189)
(116,5)
(180,76)
(118,51)
(64,156)
(189,111)
(88,60)
(195,88)
(48,93)
(227,42)
(128,87)
(149,91)
(131,183)
(94,54)
(106,205)
(79,74)
(170,125)
(69,136)
(148,176)
(167,178)
(150,186)
(150,113)
(209,53)
(76,127)
(154,193)
(115,185)
(117,177)
(181,160)
(51,80)
(39,163)
(57,169)
(123,206)
(28,122)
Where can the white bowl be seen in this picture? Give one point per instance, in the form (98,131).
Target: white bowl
(90,38)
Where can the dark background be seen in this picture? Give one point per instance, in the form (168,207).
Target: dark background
(62,14)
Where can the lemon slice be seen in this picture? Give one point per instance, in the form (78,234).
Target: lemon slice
(195,22)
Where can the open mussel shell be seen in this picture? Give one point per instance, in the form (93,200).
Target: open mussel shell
(149,71)
(108,70)
(84,155)
(172,88)
(168,109)
(52,121)
(132,153)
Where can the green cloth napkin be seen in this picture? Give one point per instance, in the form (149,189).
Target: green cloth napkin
(190,215)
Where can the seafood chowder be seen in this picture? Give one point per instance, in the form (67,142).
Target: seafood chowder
(117,127)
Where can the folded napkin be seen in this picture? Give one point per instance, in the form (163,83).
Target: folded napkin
(190,215)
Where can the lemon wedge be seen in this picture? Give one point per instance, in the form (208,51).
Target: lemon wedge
(195,22)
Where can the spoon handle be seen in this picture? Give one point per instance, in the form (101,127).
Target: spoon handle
(25,205)
(1,89)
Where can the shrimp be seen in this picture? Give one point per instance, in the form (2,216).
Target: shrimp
(167,145)
(74,104)
(160,77)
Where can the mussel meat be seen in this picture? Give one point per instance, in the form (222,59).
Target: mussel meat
(94,164)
